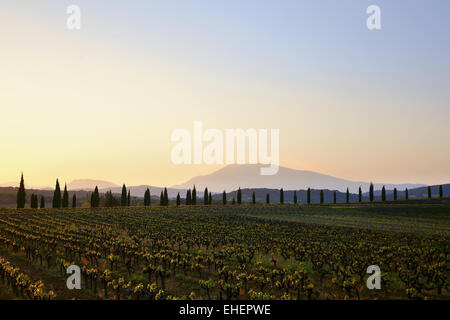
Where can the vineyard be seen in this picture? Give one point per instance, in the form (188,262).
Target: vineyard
(227,252)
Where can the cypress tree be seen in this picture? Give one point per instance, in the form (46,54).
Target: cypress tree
(360,195)
(147,197)
(210,198)
(42,202)
(383,194)
(441,192)
(253,197)
(321,197)
(429,192)
(371,192)
(308,196)
(129,198)
(224,197)
(281,196)
(96,198)
(188,197)
(233,201)
(65,199)
(123,198)
(178,200)
(57,196)
(205,196)
(74,201)
(194,196)
(239,196)
(166,197)
(267,198)
(92,200)
(406,194)
(295,197)
(161,198)
(21,194)
(395,194)
(334,197)
(347,199)
(32,201)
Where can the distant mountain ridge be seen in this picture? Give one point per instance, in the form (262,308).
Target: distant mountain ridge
(90,184)
(248,176)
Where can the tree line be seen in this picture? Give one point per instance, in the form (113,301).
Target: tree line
(61,199)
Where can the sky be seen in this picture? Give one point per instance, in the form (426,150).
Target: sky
(102,102)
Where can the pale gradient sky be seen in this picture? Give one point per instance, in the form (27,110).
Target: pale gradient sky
(102,102)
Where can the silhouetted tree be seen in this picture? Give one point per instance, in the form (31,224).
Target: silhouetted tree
(188,197)
(161,198)
(233,201)
(57,196)
(308,196)
(95,198)
(65,198)
(360,195)
(253,197)
(210,198)
(371,192)
(74,201)
(383,194)
(224,197)
(267,198)
(33,201)
(21,194)
(123,197)
(395,194)
(239,196)
(166,197)
(406,194)
(147,197)
(429,192)
(178,200)
(194,196)
(129,199)
(295,197)
(281,196)
(441,192)
(205,196)
(321,197)
(42,202)
(347,199)
(334,197)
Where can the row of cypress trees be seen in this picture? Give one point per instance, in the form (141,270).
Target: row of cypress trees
(59,201)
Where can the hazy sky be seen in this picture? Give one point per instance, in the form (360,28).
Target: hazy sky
(102,102)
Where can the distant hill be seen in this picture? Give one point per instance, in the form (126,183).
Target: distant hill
(248,176)
(421,192)
(90,184)
(274,194)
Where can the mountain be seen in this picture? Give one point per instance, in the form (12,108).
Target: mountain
(248,176)
(138,191)
(89,184)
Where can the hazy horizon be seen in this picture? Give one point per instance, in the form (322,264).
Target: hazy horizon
(101,102)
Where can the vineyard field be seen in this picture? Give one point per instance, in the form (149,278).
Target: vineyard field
(227,252)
